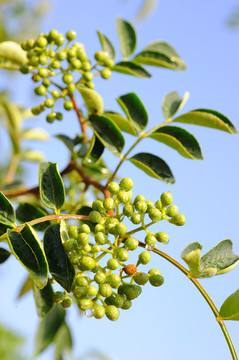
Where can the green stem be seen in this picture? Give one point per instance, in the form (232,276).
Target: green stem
(206,297)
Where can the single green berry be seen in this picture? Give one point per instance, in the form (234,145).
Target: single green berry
(122,254)
(100,278)
(55,94)
(94,216)
(61,55)
(85,304)
(56,64)
(36,77)
(150,205)
(113,187)
(109,63)
(162,237)
(136,218)
(139,198)
(156,280)
(43,59)
(97,205)
(80,280)
(76,63)
(49,103)
(59,297)
(172,210)
(114,280)
(166,198)
(122,196)
(131,244)
(24,69)
(67,79)
(130,291)
(106,73)
(92,291)
(43,72)
(41,42)
(109,204)
(75,258)
(83,239)
(159,205)
(105,290)
(30,44)
(85,229)
(66,303)
(95,248)
(68,105)
(112,312)
(112,264)
(115,299)
(155,215)
(46,82)
(154,272)
(141,278)
(87,263)
(178,220)
(88,76)
(71,53)
(90,84)
(53,34)
(120,229)
(126,184)
(101,56)
(59,40)
(144,258)
(99,228)
(51,117)
(101,238)
(141,206)
(40,90)
(80,291)
(126,305)
(70,244)
(150,240)
(71,35)
(59,116)
(129,194)
(86,65)
(128,210)
(98,311)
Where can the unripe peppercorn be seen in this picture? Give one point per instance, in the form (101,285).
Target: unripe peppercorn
(113,187)
(109,204)
(80,280)
(49,103)
(99,228)
(80,291)
(61,55)
(172,210)
(87,263)
(162,237)
(59,297)
(154,272)
(141,206)
(122,254)
(115,299)
(131,244)
(126,305)
(98,311)
(150,205)
(128,210)
(51,117)
(55,94)
(139,198)
(94,216)
(53,34)
(150,240)
(109,63)
(101,238)
(112,312)
(126,184)
(40,90)
(144,258)
(46,82)
(112,264)
(178,220)
(166,198)
(141,278)
(100,278)
(136,218)
(41,42)
(156,280)
(71,35)
(159,205)
(122,196)
(71,88)
(101,55)
(130,291)
(130,269)
(114,280)
(85,304)
(106,73)
(67,79)
(68,105)
(59,116)
(105,290)
(97,205)
(66,303)
(59,40)
(129,194)
(55,64)
(92,291)
(70,244)
(88,75)
(120,229)
(155,215)
(43,72)
(83,239)
(84,229)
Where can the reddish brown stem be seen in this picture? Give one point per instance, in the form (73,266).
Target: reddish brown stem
(80,118)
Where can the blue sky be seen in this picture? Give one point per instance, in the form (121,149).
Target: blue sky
(171,322)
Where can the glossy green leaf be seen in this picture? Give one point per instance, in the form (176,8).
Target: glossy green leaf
(12,52)
(180,140)
(219,260)
(29,211)
(4,255)
(106,45)
(32,155)
(27,248)
(130,68)
(52,191)
(108,133)
(208,118)
(162,47)
(44,299)
(93,100)
(63,341)
(48,328)
(230,308)
(135,110)
(7,213)
(59,265)
(123,123)
(172,103)
(35,134)
(26,287)
(127,37)
(191,255)
(82,152)
(153,166)
(160,59)
(70,143)
(95,151)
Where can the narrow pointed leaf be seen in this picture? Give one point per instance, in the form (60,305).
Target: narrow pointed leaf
(26,287)
(230,308)
(32,155)
(220,257)
(63,341)
(59,264)
(155,58)
(208,118)
(67,141)
(162,48)
(44,299)
(26,212)
(12,52)
(95,151)
(180,140)
(7,213)
(108,133)
(48,328)
(27,248)
(123,123)
(52,191)
(130,68)
(106,45)
(172,103)
(93,100)
(135,110)
(191,255)
(153,166)
(35,134)
(127,37)
(4,255)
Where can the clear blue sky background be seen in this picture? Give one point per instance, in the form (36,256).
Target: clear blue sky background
(174,321)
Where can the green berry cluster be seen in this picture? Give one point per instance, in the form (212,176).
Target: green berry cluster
(53,54)
(105,281)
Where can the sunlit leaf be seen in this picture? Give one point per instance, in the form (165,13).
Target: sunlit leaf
(230,308)
(26,287)
(208,118)
(44,299)
(191,255)
(130,68)
(93,100)
(63,341)
(35,134)
(12,52)
(180,140)
(160,59)
(4,255)
(172,103)
(106,45)
(135,110)
(27,248)
(123,123)
(108,133)
(7,213)
(32,155)
(95,151)
(52,191)
(127,37)
(59,265)
(153,166)
(29,211)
